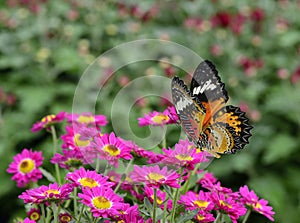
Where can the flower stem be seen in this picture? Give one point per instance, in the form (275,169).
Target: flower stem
(218,217)
(186,184)
(43,217)
(81,211)
(126,172)
(154,205)
(54,139)
(75,201)
(247,216)
(174,205)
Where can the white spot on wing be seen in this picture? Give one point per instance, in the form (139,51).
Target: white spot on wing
(206,86)
(183,103)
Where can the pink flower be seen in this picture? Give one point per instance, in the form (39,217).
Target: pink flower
(27,220)
(111,148)
(34,214)
(160,197)
(88,179)
(65,217)
(25,167)
(71,158)
(249,198)
(184,154)
(228,205)
(102,201)
(48,120)
(155,118)
(46,194)
(88,119)
(203,216)
(153,176)
(193,201)
(131,214)
(150,156)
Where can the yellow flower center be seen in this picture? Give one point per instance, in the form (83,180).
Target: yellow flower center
(158,200)
(257,205)
(160,119)
(51,191)
(200,217)
(65,218)
(112,150)
(26,165)
(223,203)
(34,216)
(79,142)
(155,176)
(101,203)
(201,204)
(48,118)
(88,182)
(85,119)
(184,157)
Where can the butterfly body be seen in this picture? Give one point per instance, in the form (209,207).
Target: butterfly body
(206,119)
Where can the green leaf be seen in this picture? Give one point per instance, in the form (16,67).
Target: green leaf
(280,147)
(187,216)
(48,175)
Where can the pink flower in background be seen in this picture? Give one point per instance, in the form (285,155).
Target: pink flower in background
(155,118)
(102,201)
(72,158)
(250,199)
(25,167)
(48,120)
(46,194)
(87,118)
(88,179)
(153,176)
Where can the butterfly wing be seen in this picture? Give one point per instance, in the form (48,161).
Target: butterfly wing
(206,84)
(208,88)
(191,114)
(228,131)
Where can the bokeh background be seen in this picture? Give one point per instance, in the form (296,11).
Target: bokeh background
(45,46)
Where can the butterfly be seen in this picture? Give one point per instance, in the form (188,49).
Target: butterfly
(208,122)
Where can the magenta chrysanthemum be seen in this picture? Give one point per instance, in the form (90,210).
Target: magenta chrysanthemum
(34,214)
(25,167)
(250,199)
(48,121)
(111,148)
(88,179)
(46,194)
(193,201)
(228,205)
(27,220)
(184,155)
(71,158)
(87,118)
(160,197)
(153,176)
(155,118)
(65,217)
(102,201)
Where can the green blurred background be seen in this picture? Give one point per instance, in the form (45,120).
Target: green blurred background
(45,46)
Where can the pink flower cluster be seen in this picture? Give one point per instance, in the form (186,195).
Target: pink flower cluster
(165,171)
